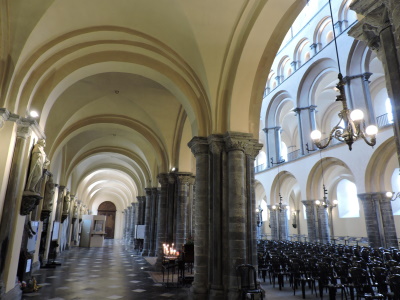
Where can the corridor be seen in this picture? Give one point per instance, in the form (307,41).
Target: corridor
(110,272)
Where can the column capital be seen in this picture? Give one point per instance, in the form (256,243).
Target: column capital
(148,191)
(374,197)
(183,177)
(308,202)
(216,143)
(198,145)
(242,142)
(163,178)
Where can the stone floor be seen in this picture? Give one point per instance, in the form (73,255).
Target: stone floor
(112,272)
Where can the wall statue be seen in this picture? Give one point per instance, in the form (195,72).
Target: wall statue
(67,203)
(39,162)
(49,194)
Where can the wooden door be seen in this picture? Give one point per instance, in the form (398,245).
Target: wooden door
(108,209)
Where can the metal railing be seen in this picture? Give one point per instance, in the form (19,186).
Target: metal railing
(383,120)
(260,168)
(293,155)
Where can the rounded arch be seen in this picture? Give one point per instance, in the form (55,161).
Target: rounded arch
(146,132)
(321,32)
(286,185)
(299,52)
(108,206)
(73,63)
(381,167)
(274,108)
(328,171)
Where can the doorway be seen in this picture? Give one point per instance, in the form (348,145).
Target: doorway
(108,209)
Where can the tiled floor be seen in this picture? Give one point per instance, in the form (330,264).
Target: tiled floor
(110,272)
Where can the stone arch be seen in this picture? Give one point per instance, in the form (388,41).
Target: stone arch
(321,30)
(381,167)
(328,171)
(73,64)
(298,53)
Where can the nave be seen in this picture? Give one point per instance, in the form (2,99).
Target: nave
(109,272)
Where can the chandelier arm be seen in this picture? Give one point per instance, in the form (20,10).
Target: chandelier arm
(369,143)
(331,136)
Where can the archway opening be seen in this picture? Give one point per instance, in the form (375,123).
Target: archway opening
(108,209)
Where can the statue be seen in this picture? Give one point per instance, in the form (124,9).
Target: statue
(75,212)
(39,162)
(67,202)
(49,194)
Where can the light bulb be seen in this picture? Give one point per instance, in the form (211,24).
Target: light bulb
(316,135)
(371,130)
(257,210)
(389,194)
(317,202)
(34,114)
(357,115)
(335,202)
(273,206)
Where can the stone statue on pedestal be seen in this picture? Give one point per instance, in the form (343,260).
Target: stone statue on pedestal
(39,162)
(49,194)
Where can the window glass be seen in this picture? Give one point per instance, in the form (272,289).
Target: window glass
(396,189)
(284,151)
(348,205)
(388,106)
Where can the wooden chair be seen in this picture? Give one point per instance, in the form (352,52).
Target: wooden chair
(247,281)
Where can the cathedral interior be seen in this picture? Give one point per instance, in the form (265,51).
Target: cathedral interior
(189,123)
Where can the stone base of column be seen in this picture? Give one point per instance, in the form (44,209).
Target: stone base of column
(233,294)
(198,292)
(145,252)
(152,253)
(217,293)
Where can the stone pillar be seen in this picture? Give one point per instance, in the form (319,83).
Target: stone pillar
(162,218)
(225,212)
(130,225)
(200,149)
(273,223)
(125,224)
(153,220)
(297,112)
(269,155)
(133,219)
(311,220)
(278,142)
(323,224)
(314,48)
(379,220)
(181,214)
(147,230)
(190,210)
(283,226)
(380,30)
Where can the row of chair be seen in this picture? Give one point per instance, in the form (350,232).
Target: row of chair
(359,272)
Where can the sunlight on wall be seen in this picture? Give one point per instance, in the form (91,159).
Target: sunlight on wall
(347,199)
(396,188)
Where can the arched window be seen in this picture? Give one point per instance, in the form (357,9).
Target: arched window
(389,111)
(284,151)
(396,188)
(329,37)
(348,205)
(264,207)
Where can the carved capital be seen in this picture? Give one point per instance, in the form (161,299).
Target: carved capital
(163,179)
(216,143)
(199,145)
(184,178)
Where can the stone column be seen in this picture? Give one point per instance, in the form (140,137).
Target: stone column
(130,225)
(153,218)
(297,112)
(125,224)
(162,218)
(199,147)
(133,219)
(12,201)
(190,209)
(380,30)
(218,206)
(147,230)
(379,220)
(269,155)
(323,224)
(273,223)
(278,143)
(311,220)
(181,214)
(283,226)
